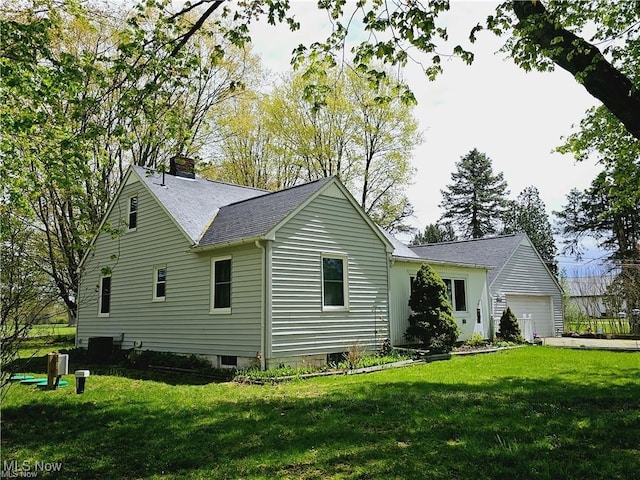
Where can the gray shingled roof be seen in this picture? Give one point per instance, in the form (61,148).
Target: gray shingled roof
(399,248)
(257,216)
(494,251)
(194,202)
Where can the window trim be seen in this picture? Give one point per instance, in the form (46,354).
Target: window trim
(156,282)
(212,308)
(134,212)
(452,294)
(345,282)
(101,295)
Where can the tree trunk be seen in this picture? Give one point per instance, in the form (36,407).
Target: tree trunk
(584,61)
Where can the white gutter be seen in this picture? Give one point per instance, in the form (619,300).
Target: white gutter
(234,243)
(442,262)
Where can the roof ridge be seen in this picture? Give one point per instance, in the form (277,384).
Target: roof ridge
(204,179)
(288,189)
(450,242)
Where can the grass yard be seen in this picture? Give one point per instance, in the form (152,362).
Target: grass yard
(534,412)
(52,329)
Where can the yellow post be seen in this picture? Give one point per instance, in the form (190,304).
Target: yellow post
(52,370)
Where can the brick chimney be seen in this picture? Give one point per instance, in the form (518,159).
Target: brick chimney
(182,167)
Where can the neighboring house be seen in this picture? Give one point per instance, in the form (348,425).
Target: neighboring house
(238,275)
(589,294)
(519,280)
(467,286)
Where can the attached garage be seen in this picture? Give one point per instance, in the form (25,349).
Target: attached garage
(535,314)
(519,278)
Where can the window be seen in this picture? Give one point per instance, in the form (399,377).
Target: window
(456,289)
(104,303)
(334,283)
(221,285)
(133,212)
(159,283)
(228,361)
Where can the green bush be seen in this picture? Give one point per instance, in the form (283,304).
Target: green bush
(509,328)
(432,323)
(475,340)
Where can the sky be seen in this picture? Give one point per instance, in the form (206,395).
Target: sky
(516,118)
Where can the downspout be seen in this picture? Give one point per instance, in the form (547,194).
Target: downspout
(268,293)
(389,294)
(263,329)
(492,326)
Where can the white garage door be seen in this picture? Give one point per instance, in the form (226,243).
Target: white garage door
(534,314)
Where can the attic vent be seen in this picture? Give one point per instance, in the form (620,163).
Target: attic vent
(182,167)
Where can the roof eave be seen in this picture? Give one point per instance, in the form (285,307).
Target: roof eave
(229,244)
(442,262)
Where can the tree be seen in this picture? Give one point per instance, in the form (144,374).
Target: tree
(476,199)
(542,37)
(528,214)
(539,37)
(434,233)
(27,293)
(281,138)
(609,212)
(431,322)
(509,328)
(84,94)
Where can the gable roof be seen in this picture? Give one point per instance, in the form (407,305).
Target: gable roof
(405,253)
(257,216)
(212,213)
(494,251)
(192,203)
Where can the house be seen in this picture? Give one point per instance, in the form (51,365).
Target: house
(244,276)
(519,279)
(590,295)
(238,275)
(467,286)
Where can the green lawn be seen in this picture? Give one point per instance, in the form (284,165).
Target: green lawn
(534,412)
(52,329)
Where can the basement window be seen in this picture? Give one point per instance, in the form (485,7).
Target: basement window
(228,361)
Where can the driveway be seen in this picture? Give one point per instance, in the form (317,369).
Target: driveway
(592,343)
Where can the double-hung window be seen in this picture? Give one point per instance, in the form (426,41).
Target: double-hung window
(104,302)
(335,288)
(160,283)
(133,213)
(221,285)
(457,291)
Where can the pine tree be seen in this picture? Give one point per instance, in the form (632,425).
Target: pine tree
(432,323)
(434,233)
(528,214)
(476,199)
(509,328)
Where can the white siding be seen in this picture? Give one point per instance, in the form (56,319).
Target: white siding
(525,274)
(477,297)
(299,326)
(182,323)
(533,313)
